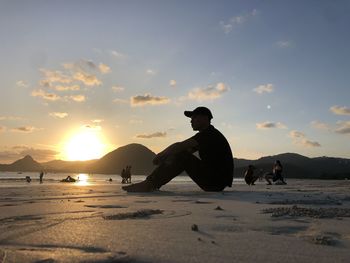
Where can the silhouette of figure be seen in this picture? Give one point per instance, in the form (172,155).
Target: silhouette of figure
(69,179)
(123,175)
(41,177)
(128,174)
(276,174)
(249,176)
(212,172)
(28,179)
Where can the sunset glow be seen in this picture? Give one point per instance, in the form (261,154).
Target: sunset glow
(84,145)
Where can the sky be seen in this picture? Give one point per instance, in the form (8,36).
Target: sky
(81,78)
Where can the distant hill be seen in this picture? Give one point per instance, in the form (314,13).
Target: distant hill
(26,164)
(299,166)
(140,158)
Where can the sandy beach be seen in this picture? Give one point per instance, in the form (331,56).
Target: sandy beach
(303,221)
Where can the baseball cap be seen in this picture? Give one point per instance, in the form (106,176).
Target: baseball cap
(199,111)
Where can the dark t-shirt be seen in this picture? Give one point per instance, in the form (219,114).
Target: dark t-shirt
(215,153)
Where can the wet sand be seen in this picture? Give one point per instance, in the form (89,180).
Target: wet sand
(304,221)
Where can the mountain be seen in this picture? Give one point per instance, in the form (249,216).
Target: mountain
(26,164)
(299,166)
(140,158)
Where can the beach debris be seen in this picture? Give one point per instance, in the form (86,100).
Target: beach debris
(199,239)
(294,211)
(323,240)
(140,214)
(194,227)
(213,242)
(218,208)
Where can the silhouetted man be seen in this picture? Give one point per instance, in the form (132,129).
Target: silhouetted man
(212,172)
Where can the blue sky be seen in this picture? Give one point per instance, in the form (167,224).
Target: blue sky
(274,73)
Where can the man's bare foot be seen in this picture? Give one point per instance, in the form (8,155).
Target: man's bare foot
(144,186)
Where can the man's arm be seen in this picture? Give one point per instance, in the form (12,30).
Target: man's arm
(187,145)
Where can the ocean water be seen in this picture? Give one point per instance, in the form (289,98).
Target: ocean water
(8,179)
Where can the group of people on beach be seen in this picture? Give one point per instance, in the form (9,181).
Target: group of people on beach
(126,175)
(276,174)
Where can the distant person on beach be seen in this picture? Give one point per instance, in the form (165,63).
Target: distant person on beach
(123,175)
(213,171)
(276,174)
(41,177)
(28,179)
(128,174)
(249,176)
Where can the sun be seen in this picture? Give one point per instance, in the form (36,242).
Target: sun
(84,144)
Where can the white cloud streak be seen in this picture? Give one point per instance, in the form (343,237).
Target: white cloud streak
(300,138)
(147,99)
(269,125)
(267,88)
(152,135)
(338,110)
(208,93)
(59,115)
(235,21)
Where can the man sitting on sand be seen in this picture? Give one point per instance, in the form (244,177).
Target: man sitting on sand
(212,172)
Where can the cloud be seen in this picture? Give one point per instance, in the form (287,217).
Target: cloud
(300,139)
(308,143)
(147,99)
(77,98)
(343,127)
(55,76)
(19,151)
(97,121)
(22,84)
(45,95)
(87,79)
(118,88)
(235,21)
(340,110)
(208,93)
(64,88)
(104,69)
(117,54)
(269,125)
(151,72)
(283,44)
(172,83)
(268,88)
(59,115)
(152,135)
(296,134)
(93,127)
(320,125)
(24,129)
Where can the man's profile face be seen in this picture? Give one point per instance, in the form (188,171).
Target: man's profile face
(199,122)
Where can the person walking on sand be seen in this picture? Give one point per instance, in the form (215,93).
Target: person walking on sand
(213,171)
(41,177)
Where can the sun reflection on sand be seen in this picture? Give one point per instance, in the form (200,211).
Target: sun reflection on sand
(83,179)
